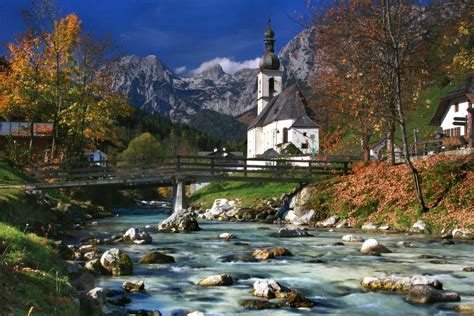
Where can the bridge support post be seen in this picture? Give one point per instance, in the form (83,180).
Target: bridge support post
(179,197)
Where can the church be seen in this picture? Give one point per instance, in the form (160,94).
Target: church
(282,119)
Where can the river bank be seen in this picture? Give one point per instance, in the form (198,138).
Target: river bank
(323,266)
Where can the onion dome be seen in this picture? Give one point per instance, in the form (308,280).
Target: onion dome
(269,59)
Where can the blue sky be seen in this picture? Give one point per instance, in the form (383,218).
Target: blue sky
(183,33)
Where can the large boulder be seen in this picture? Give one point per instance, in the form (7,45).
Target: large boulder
(301,199)
(299,217)
(117,262)
(155,257)
(296,300)
(94,266)
(343,224)
(179,222)
(133,286)
(268,288)
(369,226)
(93,302)
(425,294)
(219,207)
(293,232)
(352,238)
(137,236)
(460,233)
(270,253)
(418,227)
(372,247)
(217,280)
(397,283)
(329,222)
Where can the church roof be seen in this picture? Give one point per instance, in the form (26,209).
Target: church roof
(289,104)
(304,122)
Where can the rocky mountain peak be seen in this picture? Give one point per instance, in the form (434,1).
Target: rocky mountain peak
(214,72)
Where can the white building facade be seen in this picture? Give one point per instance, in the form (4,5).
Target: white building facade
(452,112)
(282,119)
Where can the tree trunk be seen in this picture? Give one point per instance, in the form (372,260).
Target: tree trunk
(391,143)
(32,135)
(399,108)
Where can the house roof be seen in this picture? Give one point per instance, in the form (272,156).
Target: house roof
(466,89)
(304,122)
(270,153)
(289,104)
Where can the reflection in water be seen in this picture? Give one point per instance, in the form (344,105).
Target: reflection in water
(329,274)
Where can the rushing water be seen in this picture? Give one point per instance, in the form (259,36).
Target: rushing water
(326,273)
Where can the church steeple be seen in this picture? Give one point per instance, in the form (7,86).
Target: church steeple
(269,60)
(270,76)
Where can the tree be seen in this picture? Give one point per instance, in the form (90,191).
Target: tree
(144,148)
(385,49)
(23,85)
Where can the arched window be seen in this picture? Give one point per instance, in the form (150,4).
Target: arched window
(271,86)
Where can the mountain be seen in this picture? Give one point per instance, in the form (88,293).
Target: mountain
(153,87)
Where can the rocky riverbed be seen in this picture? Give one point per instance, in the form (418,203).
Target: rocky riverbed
(250,268)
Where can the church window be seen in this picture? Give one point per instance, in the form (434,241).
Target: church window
(305,134)
(271,86)
(456,107)
(285,135)
(304,145)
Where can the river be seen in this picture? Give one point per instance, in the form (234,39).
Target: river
(326,273)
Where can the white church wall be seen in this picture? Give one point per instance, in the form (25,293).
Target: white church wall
(273,133)
(451,113)
(300,136)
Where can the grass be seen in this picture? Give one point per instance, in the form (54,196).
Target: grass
(31,275)
(249,194)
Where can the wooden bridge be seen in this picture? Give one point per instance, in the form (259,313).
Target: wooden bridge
(181,170)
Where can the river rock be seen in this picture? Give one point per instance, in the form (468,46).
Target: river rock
(63,250)
(343,224)
(196,313)
(237,258)
(399,283)
(226,236)
(404,244)
(179,222)
(292,232)
(93,302)
(328,222)
(87,248)
(468,269)
(269,289)
(133,286)
(137,236)
(459,233)
(270,253)
(117,262)
(418,227)
(464,308)
(85,282)
(94,266)
(219,208)
(142,312)
(425,294)
(91,255)
(384,227)
(369,226)
(352,238)
(156,257)
(296,300)
(299,217)
(257,304)
(217,280)
(372,247)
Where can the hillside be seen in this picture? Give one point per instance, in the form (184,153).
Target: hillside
(384,194)
(220,126)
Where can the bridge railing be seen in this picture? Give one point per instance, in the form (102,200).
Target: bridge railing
(195,167)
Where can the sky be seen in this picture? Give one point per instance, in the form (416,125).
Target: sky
(187,35)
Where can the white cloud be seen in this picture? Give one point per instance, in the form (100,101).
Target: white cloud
(180,70)
(228,65)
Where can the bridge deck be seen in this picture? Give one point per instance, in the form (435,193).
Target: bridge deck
(189,169)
